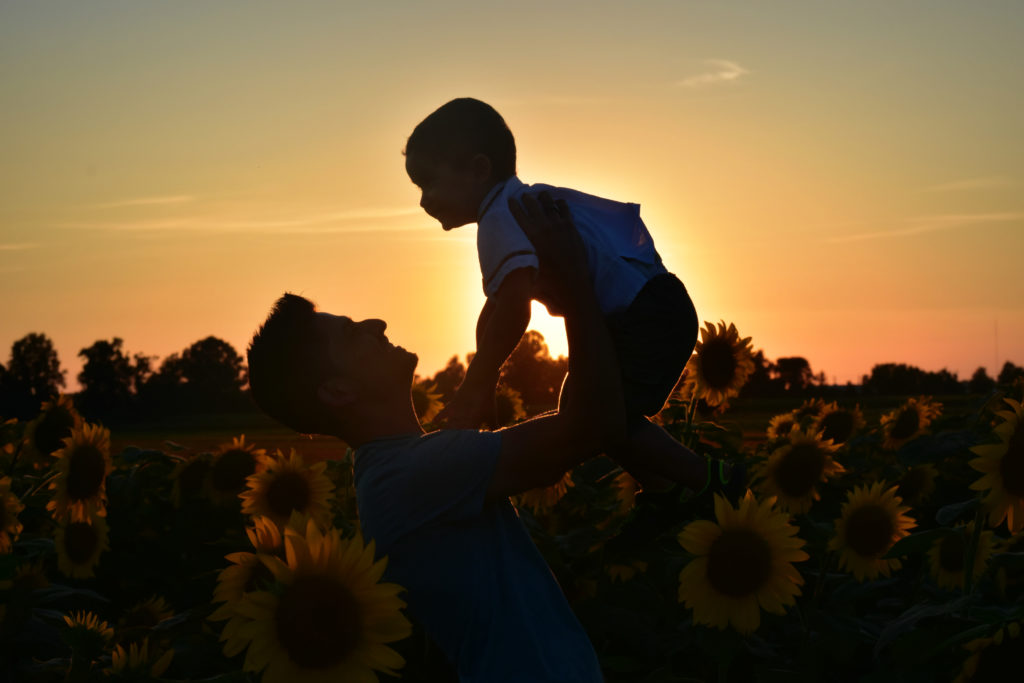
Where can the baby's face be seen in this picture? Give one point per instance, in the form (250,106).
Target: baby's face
(449,194)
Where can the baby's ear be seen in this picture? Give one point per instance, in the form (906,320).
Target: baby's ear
(481,167)
(336,392)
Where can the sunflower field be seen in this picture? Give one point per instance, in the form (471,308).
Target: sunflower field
(867,548)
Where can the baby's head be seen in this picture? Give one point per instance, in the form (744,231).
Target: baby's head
(456,155)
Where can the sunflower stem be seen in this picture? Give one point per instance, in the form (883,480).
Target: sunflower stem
(969,554)
(691,412)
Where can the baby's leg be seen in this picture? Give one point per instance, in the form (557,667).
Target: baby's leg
(658,461)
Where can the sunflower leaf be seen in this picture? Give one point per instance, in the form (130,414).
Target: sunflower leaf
(948,513)
(909,620)
(916,543)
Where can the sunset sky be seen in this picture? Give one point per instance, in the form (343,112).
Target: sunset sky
(842,180)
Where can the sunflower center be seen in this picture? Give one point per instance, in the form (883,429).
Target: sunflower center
(86,470)
(1011,466)
(995,661)
(80,541)
(739,562)
(718,364)
(800,469)
(951,552)
(190,479)
(53,428)
(231,469)
(906,424)
(286,492)
(837,426)
(869,530)
(318,621)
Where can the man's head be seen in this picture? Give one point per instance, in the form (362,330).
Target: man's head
(311,370)
(456,155)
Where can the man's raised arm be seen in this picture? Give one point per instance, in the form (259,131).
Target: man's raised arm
(591,414)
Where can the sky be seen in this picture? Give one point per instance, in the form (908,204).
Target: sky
(843,181)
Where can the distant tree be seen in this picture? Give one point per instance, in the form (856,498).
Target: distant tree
(532,372)
(214,375)
(106,380)
(795,373)
(1009,373)
(33,375)
(903,380)
(448,379)
(163,391)
(980,382)
(762,382)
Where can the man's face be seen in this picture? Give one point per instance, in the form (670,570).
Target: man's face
(450,194)
(360,352)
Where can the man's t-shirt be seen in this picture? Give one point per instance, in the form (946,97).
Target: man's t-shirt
(473,576)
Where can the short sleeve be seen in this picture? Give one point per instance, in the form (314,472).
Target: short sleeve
(502,247)
(443,477)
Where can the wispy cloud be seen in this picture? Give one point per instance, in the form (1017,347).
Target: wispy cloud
(925,224)
(146,201)
(981,183)
(353,220)
(716,71)
(17,246)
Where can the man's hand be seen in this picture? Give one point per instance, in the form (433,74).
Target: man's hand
(468,409)
(560,251)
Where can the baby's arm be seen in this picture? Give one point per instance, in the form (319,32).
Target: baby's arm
(501,325)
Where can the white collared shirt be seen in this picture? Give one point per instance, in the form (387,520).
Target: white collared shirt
(620,250)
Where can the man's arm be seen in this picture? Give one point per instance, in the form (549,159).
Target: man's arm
(592,418)
(501,325)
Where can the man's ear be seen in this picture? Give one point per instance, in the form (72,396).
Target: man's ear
(481,167)
(336,392)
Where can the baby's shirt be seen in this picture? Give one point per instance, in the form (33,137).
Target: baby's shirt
(620,250)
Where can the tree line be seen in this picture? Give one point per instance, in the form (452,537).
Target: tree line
(210,376)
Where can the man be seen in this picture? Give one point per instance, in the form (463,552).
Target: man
(437,504)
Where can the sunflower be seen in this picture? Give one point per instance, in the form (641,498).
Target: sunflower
(426,400)
(794,470)
(232,465)
(947,556)
(46,433)
(329,618)
(781,425)
(91,623)
(247,573)
(80,488)
(87,635)
(908,421)
(872,520)
(625,572)
(991,658)
(508,406)
(80,544)
(146,614)
(744,564)
(137,659)
(10,507)
(285,485)
(540,499)
(838,424)
(721,363)
(1002,465)
(916,484)
(190,478)
(809,409)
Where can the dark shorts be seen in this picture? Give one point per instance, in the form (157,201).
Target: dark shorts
(653,339)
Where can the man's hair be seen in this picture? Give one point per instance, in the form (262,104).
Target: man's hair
(287,361)
(462,128)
